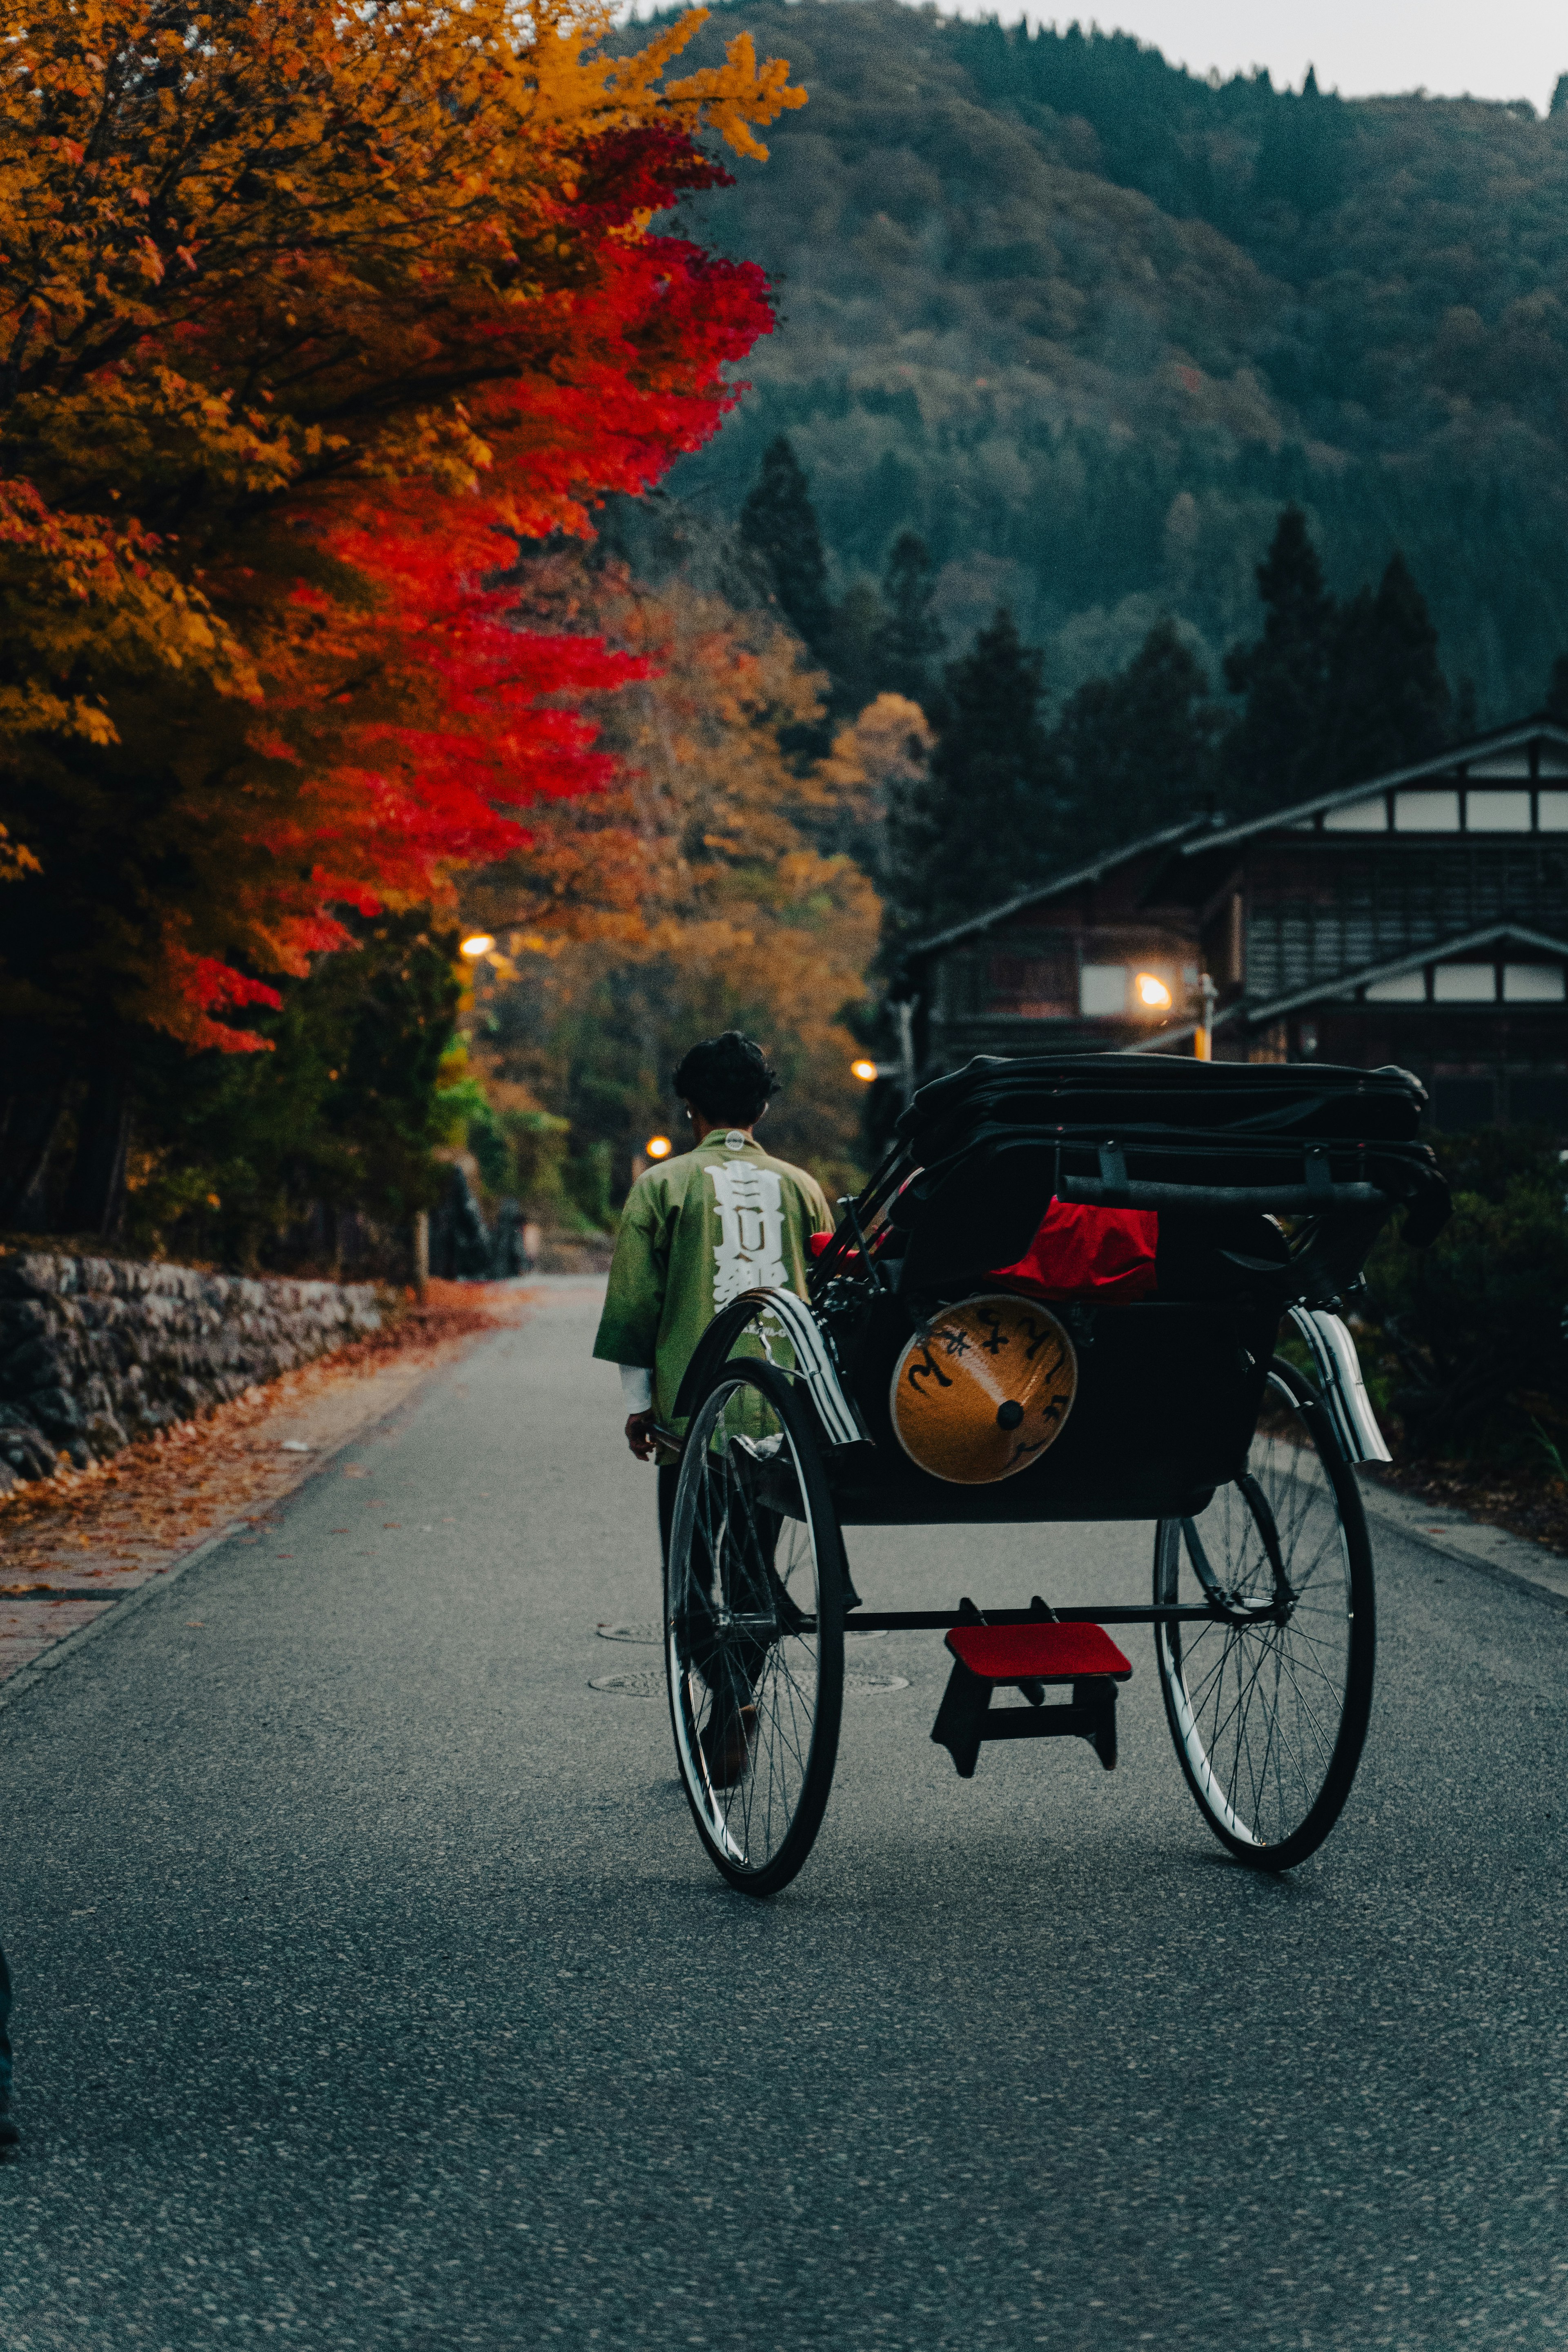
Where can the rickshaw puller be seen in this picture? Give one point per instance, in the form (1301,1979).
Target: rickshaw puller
(696,1232)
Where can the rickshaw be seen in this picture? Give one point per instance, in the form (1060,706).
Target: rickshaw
(950,1366)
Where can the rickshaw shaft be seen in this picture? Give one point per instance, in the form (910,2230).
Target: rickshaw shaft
(937,1621)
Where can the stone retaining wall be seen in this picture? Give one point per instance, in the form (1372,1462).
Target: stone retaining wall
(95,1351)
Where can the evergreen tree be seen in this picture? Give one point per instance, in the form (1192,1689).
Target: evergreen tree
(985,819)
(1274,754)
(1389,703)
(778,523)
(857,663)
(911,636)
(1302,155)
(1137,750)
(1334,692)
(886,643)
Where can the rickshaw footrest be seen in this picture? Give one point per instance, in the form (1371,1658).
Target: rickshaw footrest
(964,1720)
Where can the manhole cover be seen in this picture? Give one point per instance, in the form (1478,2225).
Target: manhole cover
(646,1683)
(633,1685)
(652,1636)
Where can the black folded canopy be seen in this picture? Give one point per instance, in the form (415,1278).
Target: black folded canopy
(982,1152)
(1113,1092)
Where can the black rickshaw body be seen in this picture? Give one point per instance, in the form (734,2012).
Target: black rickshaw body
(1270,1184)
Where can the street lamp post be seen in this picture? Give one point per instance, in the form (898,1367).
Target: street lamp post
(1202,1035)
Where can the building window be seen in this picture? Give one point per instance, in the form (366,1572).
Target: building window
(1032,987)
(1362,816)
(1404,988)
(1497,812)
(1465,983)
(1553,808)
(1102,988)
(1532,984)
(1426,812)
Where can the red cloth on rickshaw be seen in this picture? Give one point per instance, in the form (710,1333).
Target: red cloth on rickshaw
(1079,1250)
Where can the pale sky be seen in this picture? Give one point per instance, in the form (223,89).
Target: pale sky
(1507,48)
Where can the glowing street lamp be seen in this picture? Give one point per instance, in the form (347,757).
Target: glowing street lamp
(658,1147)
(865,1071)
(478,943)
(1152,993)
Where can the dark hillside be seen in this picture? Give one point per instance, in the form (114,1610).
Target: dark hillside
(1085,321)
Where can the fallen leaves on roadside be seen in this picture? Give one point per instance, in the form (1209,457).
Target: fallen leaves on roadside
(1536,1508)
(152,1502)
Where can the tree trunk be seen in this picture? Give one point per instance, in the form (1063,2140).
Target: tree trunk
(34,1076)
(95,1197)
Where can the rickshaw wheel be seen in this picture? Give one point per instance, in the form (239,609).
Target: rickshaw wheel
(1269,1706)
(755,1626)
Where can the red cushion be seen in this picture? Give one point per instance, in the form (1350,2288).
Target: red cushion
(1107,1252)
(1041,1653)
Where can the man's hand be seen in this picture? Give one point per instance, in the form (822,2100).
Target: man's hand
(641,1427)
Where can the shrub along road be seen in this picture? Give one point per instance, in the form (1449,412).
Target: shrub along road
(374,1991)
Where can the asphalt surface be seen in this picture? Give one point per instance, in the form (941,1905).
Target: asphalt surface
(374,1989)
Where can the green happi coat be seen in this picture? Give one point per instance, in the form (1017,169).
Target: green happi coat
(694,1233)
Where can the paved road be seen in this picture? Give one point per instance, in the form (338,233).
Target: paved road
(375,1991)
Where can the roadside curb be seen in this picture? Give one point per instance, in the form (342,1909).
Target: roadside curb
(1509,1559)
(119,1605)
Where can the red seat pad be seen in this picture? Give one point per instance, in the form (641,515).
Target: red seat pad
(1079,1250)
(1041,1653)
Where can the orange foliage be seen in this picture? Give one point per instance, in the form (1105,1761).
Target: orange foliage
(702,893)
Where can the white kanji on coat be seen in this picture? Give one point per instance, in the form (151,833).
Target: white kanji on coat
(749,1256)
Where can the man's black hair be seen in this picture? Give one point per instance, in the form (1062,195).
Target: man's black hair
(729,1079)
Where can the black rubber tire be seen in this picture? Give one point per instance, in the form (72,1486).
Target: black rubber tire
(759,1863)
(1333,1748)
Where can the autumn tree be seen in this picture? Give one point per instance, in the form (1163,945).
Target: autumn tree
(695,896)
(307,317)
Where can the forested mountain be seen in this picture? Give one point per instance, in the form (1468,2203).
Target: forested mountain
(1085,322)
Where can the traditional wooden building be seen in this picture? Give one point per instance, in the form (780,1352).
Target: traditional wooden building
(1418,918)
(1092,962)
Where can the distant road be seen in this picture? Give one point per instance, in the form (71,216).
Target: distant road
(373,1989)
